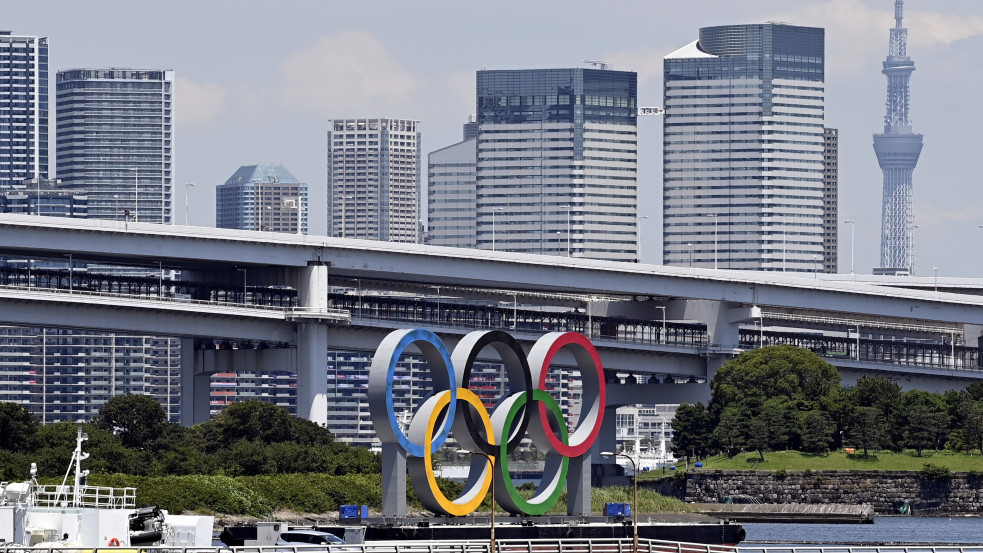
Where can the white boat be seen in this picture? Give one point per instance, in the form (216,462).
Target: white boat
(79,515)
(646,460)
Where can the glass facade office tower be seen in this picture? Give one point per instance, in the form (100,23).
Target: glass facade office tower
(451,193)
(23,108)
(115,140)
(374,179)
(262,197)
(743,144)
(557,162)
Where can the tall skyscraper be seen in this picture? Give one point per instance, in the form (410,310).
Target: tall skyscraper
(262,197)
(115,140)
(557,162)
(831,201)
(374,179)
(743,143)
(23,109)
(451,193)
(897,150)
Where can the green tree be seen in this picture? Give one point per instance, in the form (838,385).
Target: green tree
(691,430)
(972,425)
(868,429)
(781,425)
(756,435)
(817,432)
(18,428)
(731,432)
(137,420)
(783,373)
(885,396)
(253,420)
(923,419)
(975,391)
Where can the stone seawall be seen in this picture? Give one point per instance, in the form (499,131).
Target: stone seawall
(887,492)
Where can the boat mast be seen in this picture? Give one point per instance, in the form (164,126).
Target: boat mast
(79,456)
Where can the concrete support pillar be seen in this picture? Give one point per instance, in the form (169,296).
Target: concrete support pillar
(578,485)
(312,346)
(722,319)
(607,440)
(312,372)
(195,386)
(393,481)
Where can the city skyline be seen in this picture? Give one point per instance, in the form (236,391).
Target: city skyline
(240,100)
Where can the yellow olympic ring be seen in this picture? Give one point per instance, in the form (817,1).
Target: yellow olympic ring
(422,428)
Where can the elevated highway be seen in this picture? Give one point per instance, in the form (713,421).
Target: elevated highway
(653,324)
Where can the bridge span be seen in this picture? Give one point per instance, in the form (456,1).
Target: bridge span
(290,298)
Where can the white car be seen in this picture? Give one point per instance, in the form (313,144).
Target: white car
(308,537)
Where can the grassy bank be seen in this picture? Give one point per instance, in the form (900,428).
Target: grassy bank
(837,460)
(317,494)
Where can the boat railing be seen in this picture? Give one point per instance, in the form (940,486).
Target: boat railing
(101,497)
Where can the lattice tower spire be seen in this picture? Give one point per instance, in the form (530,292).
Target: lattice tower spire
(897,152)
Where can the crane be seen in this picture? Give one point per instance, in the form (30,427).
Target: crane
(597,63)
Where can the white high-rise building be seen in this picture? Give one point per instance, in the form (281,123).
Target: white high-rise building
(451,202)
(115,140)
(743,143)
(374,179)
(557,162)
(23,109)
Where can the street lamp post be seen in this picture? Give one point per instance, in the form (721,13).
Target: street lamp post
(663,308)
(853,225)
(187,185)
(849,331)
(911,259)
(570,251)
(690,255)
(714,215)
(936,269)
(491,466)
(634,496)
(495,209)
(638,238)
(244,288)
(784,250)
(136,192)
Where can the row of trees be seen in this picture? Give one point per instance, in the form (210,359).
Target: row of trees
(783,397)
(131,435)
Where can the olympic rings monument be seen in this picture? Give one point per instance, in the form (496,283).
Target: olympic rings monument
(454,410)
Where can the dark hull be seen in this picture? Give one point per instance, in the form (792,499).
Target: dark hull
(684,528)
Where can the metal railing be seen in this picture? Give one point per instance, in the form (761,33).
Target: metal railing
(910,548)
(606,545)
(102,497)
(210,306)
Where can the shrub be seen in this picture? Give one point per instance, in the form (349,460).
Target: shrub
(935,472)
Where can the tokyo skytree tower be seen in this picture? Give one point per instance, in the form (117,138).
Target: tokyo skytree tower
(897,152)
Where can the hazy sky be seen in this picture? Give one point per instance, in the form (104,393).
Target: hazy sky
(257,82)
